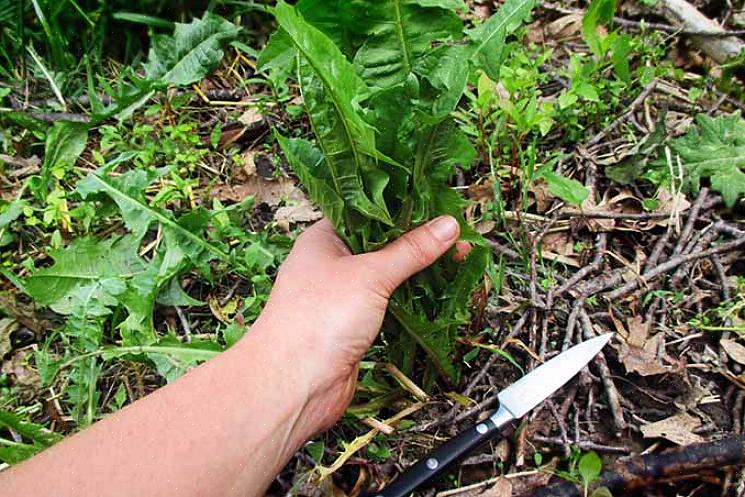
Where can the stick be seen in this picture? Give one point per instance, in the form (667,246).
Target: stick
(672,264)
(642,471)
(582,444)
(685,15)
(692,217)
(614,398)
(623,117)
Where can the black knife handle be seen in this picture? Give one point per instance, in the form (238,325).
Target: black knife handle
(439,459)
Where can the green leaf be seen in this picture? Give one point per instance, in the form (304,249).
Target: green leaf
(192,52)
(587,91)
(13,452)
(11,212)
(713,148)
(589,467)
(171,357)
(330,89)
(632,167)
(386,147)
(730,182)
(315,450)
(310,166)
(127,191)
(621,48)
(399,33)
(487,39)
(33,432)
(601,492)
(567,189)
(445,70)
(64,143)
(599,13)
(87,276)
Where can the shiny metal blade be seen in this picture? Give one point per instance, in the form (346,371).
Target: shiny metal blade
(539,384)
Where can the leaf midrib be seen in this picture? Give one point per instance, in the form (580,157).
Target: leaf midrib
(334,97)
(500,27)
(401,36)
(161,218)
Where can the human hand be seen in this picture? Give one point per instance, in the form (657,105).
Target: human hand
(327,307)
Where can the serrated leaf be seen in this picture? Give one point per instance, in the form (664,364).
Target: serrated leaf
(730,183)
(713,148)
(86,276)
(310,166)
(389,136)
(171,357)
(192,52)
(127,191)
(399,33)
(64,143)
(487,39)
(33,432)
(330,88)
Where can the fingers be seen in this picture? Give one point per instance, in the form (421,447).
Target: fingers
(462,249)
(413,252)
(320,240)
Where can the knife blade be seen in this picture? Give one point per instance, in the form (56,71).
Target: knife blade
(514,402)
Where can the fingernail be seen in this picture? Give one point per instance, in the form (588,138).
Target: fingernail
(444,228)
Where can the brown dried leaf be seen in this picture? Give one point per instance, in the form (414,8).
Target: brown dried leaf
(566,26)
(734,350)
(250,117)
(678,429)
(501,488)
(7,326)
(481,193)
(543,197)
(639,352)
(484,227)
(302,212)
(270,192)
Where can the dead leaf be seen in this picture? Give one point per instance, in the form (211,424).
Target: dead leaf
(543,197)
(484,227)
(270,192)
(249,165)
(501,488)
(481,193)
(302,212)
(250,117)
(734,350)
(678,429)
(25,167)
(535,33)
(672,205)
(639,352)
(7,326)
(566,26)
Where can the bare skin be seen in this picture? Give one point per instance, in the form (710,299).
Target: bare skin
(229,426)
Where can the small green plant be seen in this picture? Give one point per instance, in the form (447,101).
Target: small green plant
(583,470)
(34,438)
(379,81)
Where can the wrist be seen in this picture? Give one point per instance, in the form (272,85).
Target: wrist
(314,390)
(279,369)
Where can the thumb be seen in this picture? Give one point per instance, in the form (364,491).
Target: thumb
(414,251)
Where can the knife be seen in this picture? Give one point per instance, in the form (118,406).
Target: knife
(514,402)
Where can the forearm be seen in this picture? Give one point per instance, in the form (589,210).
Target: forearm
(225,428)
